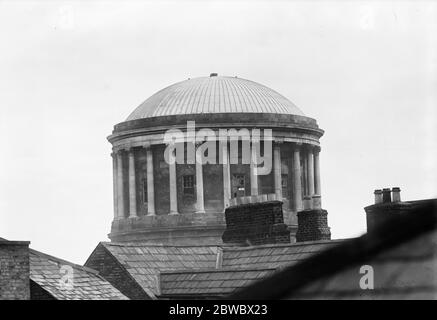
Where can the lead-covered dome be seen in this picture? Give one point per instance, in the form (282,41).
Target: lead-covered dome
(214,94)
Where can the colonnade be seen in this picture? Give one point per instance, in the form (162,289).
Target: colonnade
(305,177)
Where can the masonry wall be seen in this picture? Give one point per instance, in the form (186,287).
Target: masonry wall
(161,179)
(14,270)
(213,187)
(141,180)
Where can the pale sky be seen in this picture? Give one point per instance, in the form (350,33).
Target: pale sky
(69,71)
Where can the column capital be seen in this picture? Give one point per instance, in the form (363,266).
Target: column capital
(278,141)
(146,145)
(311,147)
(116,151)
(297,146)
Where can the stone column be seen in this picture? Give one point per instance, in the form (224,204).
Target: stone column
(173,184)
(200,205)
(114,184)
(253,174)
(297,176)
(277,171)
(317,186)
(310,168)
(150,183)
(120,187)
(226,174)
(132,185)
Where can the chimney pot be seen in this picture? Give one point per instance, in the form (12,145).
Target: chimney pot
(378,196)
(386,195)
(396,194)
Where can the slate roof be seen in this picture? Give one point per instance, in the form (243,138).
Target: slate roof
(273,256)
(45,270)
(211,283)
(153,265)
(144,262)
(214,95)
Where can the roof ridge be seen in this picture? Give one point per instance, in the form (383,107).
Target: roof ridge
(283,245)
(205,270)
(142,244)
(62,261)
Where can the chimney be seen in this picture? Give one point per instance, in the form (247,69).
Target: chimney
(378,196)
(254,221)
(14,270)
(396,194)
(312,224)
(386,195)
(387,203)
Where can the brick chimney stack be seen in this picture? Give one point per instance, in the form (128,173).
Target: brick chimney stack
(255,220)
(312,222)
(387,203)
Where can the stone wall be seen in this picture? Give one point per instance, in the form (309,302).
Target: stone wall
(14,270)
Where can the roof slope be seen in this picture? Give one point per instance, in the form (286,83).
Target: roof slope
(191,270)
(273,256)
(210,283)
(214,95)
(144,262)
(47,272)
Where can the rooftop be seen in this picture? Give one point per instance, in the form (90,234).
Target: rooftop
(164,270)
(46,272)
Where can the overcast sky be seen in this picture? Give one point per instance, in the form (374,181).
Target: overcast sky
(69,71)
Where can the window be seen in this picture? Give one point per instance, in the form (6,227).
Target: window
(188,184)
(238,185)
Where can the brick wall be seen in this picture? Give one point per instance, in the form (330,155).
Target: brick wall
(312,225)
(110,269)
(255,224)
(14,270)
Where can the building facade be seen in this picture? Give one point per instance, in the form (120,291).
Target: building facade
(183,202)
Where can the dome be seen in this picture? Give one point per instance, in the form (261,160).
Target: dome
(214,94)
